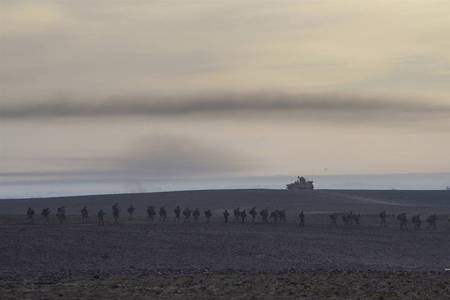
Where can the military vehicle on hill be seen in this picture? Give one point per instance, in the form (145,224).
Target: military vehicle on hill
(300,184)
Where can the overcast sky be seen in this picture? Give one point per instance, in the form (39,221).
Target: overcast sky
(181,88)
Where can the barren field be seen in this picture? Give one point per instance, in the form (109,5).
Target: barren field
(139,259)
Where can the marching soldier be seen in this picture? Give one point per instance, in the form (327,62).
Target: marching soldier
(162,214)
(208,215)
(84,215)
(237,214)
(187,214)
(301,217)
(253,213)
(196,214)
(130,211)
(431,220)
(333,219)
(383,218)
(264,215)
(116,212)
(30,215)
(61,214)
(403,220)
(100,216)
(226,214)
(416,221)
(46,214)
(282,215)
(243,216)
(177,212)
(151,213)
(274,216)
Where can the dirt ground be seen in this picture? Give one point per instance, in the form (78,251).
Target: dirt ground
(142,260)
(240,285)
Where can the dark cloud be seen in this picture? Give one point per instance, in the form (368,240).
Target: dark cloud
(168,156)
(156,157)
(309,107)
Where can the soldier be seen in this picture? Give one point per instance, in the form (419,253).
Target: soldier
(333,219)
(100,216)
(350,218)
(282,216)
(237,214)
(264,215)
(61,214)
(208,215)
(346,219)
(243,216)
(274,216)
(177,212)
(301,217)
(116,212)
(383,218)
(30,215)
(226,214)
(151,213)
(130,211)
(84,215)
(187,214)
(416,221)
(162,214)
(431,220)
(46,213)
(356,218)
(253,213)
(403,220)
(196,214)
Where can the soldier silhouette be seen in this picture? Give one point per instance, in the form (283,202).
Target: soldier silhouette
(416,221)
(383,218)
(237,214)
(243,216)
(282,215)
(100,217)
(333,219)
(84,215)
(264,215)
(130,211)
(151,213)
(208,215)
(431,220)
(274,216)
(226,214)
(253,213)
(116,212)
(61,214)
(196,214)
(301,217)
(30,215)
(403,220)
(46,214)
(187,214)
(177,212)
(162,214)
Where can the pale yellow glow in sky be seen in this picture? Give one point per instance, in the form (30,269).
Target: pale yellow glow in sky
(89,51)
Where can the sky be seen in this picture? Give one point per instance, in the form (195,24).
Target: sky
(189,89)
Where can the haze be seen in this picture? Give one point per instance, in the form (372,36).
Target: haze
(180,89)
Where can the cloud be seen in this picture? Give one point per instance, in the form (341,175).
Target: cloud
(328,107)
(168,156)
(155,157)
(29,18)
